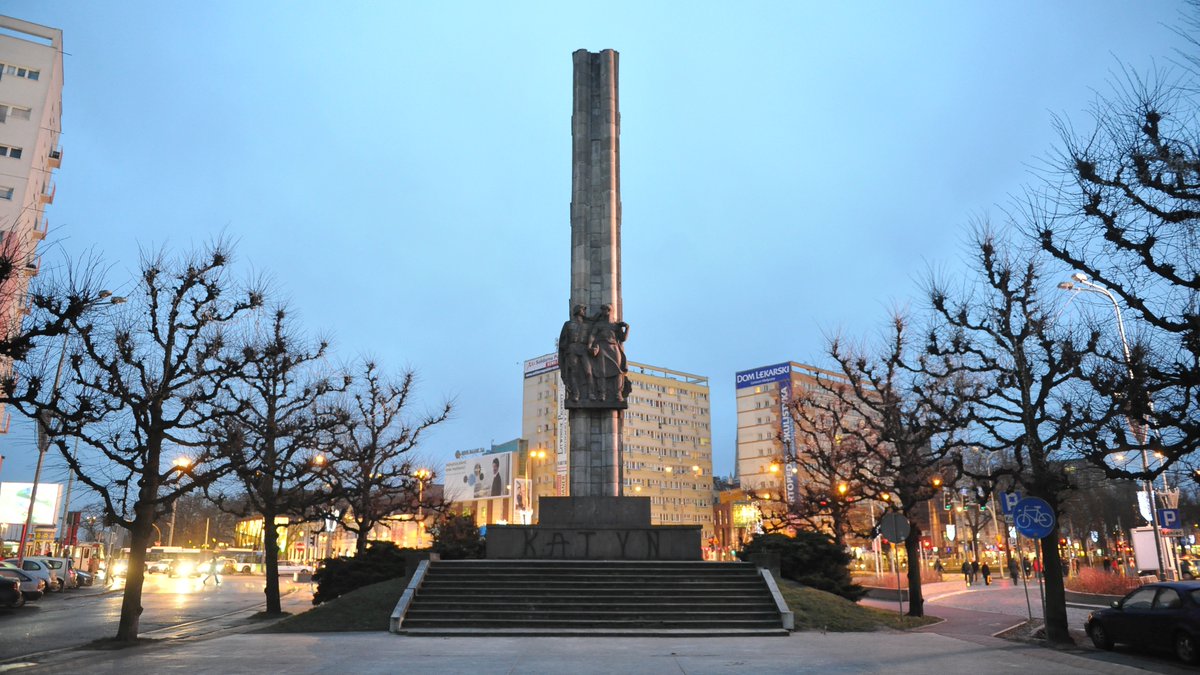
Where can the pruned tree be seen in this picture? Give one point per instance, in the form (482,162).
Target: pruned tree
(1120,207)
(374,464)
(822,464)
(911,413)
(140,391)
(1000,331)
(278,434)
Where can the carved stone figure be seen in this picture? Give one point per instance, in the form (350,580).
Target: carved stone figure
(609,382)
(574,355)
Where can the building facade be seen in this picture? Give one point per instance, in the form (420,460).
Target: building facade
(666,439)
(31,82)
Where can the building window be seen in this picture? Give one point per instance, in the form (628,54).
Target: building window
(20,71)
(6,151)
(15,112)
(6,192)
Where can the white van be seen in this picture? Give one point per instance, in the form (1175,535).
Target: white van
(64,569)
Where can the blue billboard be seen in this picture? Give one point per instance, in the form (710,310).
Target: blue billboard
(764,375)
(781,373)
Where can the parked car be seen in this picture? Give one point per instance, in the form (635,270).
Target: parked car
(159,566)
(1164,615)
(84,578)
(64,569)
(289,567)
(10,593)
(31,589)
(37,570)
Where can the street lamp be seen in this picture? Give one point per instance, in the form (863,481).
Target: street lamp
(421,475)
(530,455)
(183,464)
(1089,286)
(43,441)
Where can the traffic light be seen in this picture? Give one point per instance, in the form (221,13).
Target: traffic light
(947,499)
(980,499)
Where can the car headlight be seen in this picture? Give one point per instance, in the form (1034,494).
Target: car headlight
(187,568)
(120,567)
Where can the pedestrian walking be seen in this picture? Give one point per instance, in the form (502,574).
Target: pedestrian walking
(213,569)
(974,571)
(966,570)
(1013,570)
(1025,566)
(987,574)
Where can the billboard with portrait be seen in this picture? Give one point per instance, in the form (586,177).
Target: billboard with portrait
(484,476)
(14,503)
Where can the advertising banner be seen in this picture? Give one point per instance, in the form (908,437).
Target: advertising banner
(14,503)
(765,375)
(523,501)
(542,364)
(480,477)
(562,440)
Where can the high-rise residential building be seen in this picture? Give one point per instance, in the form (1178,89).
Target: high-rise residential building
(666,436)
(31,82)
(765,430)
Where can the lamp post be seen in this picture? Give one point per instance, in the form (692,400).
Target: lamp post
(421,475)
(44,434)
(183,464)
(527,514)
(1142,436)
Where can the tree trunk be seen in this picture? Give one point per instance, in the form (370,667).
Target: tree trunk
(271,563)
(135,576)
(1056,597)
(912,548)
(360,543)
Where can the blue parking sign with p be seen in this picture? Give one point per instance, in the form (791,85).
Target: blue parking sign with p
(1008,501)
(1168,519)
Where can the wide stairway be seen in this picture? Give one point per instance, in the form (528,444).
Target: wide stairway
(565,598)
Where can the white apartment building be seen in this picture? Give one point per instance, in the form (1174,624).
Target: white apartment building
(31,82)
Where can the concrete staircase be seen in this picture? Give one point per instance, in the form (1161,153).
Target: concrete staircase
(567,598)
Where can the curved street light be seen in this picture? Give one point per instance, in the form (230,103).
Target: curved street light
(1080,283)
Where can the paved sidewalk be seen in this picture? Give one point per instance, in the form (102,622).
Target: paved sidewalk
(888,652)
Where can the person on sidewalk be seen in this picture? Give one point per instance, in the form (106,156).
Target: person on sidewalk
(987,574)
(214,567)
(974,571)
(966,570)
(1026,566)
(1013,570)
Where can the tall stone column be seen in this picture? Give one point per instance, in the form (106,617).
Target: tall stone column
(598,396)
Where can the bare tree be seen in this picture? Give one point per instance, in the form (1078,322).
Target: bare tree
(828,488)
(1003,334)
(278,432)
(141,388)
(910,417)
(373,465)
(1120,206)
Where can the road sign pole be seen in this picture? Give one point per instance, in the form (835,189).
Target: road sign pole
(899,591)
(1024,579)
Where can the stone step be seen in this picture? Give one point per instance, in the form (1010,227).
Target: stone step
(595,600)
(594,632)
(508,622)
(643,613)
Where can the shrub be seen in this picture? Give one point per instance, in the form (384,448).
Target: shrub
(809,558)
(1101,582)
(456,537)
(382,560)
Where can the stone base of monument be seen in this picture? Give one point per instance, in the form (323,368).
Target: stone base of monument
(594,528)
(593,566)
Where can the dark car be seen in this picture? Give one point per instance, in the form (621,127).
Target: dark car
(1164,615)
(10,593)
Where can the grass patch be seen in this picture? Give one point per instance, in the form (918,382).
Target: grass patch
(818,610)
(366,608)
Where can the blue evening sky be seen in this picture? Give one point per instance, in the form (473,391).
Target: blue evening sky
(401,170)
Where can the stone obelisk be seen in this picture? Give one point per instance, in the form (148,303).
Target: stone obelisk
(596,522)
(591,352)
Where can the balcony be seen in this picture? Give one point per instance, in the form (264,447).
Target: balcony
(55,159)
(47,194)
(33,264)
(40,228)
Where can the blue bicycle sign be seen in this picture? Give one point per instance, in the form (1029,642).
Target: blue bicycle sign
(1033,518)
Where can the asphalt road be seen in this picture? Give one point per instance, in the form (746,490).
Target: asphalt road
(172,607)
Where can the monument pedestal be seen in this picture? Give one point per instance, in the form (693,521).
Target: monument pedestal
(594,528)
